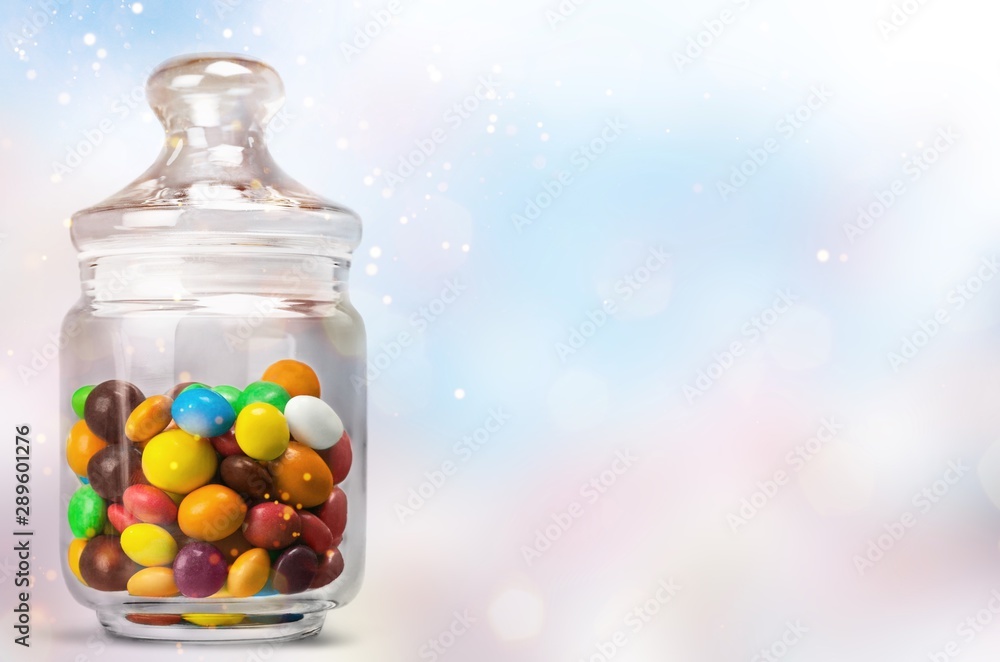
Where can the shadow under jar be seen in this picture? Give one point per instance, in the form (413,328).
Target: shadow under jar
(213,382)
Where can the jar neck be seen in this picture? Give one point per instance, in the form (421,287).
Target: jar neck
(173,277)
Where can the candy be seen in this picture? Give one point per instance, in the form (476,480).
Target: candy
(121,518)
(203,412)
(199,570)
(149,419)
(79,399)
(211,513)
(149,545)
(315,533)
(73,557)
(230,393)
(179,388)
(154,619)
(269,392)
(334,512)
(331,566)
(114,469)
(247,476)
(313,422)
(108,407)
(87,513)
(190,387)
(296,377)
(261,431)
(81,445)
(272,526)
(339,459)
(225,444)
(104,565)
(150,504)
(214,620)
(233,546)
(301,477)
(249,573)
(295,569)
(178,462)
(153,583)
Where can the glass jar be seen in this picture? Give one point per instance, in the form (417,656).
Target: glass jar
(212,382)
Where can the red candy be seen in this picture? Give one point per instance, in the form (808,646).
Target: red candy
(315,533)
(150,504)
(272,525)
(120,518)
(334,512)
(339,458)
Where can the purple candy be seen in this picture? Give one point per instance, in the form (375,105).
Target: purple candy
(200,570)
(295,570)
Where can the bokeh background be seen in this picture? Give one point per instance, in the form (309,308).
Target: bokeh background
(745,321)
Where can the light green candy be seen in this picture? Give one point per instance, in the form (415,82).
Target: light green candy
(87,513)
(79,399)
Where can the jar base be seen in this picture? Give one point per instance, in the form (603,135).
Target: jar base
(209,628)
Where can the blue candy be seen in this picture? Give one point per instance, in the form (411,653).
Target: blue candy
(203,412)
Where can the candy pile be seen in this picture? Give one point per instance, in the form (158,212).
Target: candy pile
(208,492)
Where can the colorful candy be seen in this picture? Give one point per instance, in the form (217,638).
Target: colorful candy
(233,546)
(150,504)
(108,407)
(247,476)
(295,570)
(225,444)
(230,393)
(249,573)
(296,377)
(301,477)
(153,583)
(79,399)
(269,392)
(149,544)
(87,513)
(261,431)
(149,419)
(114,469)
(81,445)
(73,557)
(272,525)
(104,565)
(199,570)
(331,566)
(175,461)
(333,512)
(313,422)
(120,517)
(315,533)
(202,412)
(214,620)
(339,459)
(211,513)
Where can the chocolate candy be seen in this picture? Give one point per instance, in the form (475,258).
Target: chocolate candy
(114,469)
(313,422)
(272,526)
(203,412)
(295,570)
(333,512)
(269,392)
(81,445)
(247,477)
(108,407)
(104,565)
(301,477)
(294,376)
(331,566)
(87,513)
(261,431)
(177,462)
(199,570)
(249,573)
(211,513)
(149,419)
(150,504)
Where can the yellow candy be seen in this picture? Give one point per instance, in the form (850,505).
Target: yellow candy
(249,573)
(149,545)
(153,583)
(211,513)
(149,419)
(212,620)
(261,431)
(75,550)
(176,461)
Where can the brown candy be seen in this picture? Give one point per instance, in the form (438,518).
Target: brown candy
(114,469)
(104,566)
(108,407)
(247,477)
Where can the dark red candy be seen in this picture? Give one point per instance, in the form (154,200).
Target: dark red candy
(114,469)
(247,477)
(333,512)
(315,533)
(107,408)
(154,619)
(104,566)
(339,458)
(295,570)
(330,567)
(225,444)
(272,525)
(200,570)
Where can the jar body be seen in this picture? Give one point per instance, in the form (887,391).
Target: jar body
(282,551)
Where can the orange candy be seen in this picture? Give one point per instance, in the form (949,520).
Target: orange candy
(149,419)
(301,477)
(296,377)
(211,513)
(81,445)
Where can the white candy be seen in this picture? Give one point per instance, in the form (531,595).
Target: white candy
(313,422)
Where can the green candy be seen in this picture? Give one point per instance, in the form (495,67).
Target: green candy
(269,392)
(191,386)
(87,513)
(79,399)
(230,393)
